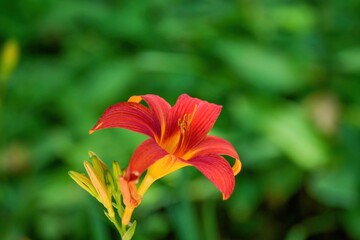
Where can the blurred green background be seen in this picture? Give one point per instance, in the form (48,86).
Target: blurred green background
(286,72)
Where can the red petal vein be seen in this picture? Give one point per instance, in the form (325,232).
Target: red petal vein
(214,145)
(202,122)
(131,116)
(217,170)
(159,107)
(145,154)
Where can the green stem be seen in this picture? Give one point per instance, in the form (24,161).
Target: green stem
(123,227)
(120,229)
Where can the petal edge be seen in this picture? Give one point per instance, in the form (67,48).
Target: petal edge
(128,115)
(144,155)
(218,171)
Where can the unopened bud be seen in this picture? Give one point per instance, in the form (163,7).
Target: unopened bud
(84,182)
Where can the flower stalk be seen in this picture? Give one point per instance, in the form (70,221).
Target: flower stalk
(103,184)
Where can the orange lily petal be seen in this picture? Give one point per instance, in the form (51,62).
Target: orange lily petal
(203,121)
(217,146)
(214,145)
(158,107)
(217,170)
(195,117)
(184,105)
(165,166)
(129,115)
(145,155)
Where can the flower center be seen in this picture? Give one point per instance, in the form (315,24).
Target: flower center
(175,144)
(184,125)
(185,122)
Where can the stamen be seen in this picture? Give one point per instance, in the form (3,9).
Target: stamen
(192,114)
(185,122)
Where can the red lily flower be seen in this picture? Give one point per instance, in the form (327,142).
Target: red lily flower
(178,138)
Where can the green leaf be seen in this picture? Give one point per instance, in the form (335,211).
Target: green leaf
(130,232)
(336,188)
(292,133)
(349,60)
(262,68)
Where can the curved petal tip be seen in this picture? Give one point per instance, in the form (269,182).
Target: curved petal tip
(135,98)
(91,131)
(236,167)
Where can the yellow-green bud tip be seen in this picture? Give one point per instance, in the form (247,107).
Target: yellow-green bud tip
(91,154)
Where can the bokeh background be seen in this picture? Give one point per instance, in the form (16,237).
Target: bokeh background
(287,75)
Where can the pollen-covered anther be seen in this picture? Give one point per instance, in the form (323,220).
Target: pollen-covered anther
(185,122)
